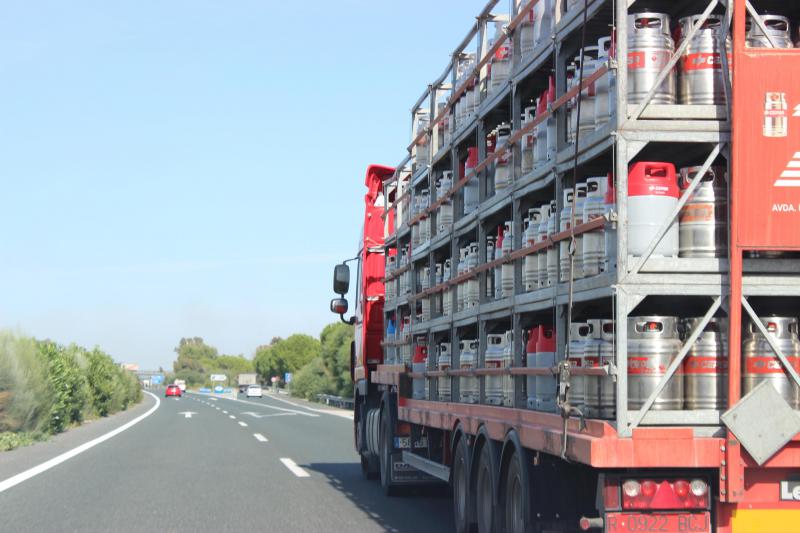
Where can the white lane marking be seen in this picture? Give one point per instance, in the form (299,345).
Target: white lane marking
(55,461)
(293,468)
(243,424)
(232,417)
(256,415)
(187,414)
(217,408)
(274,407)
(342,414)
(259,437)
(224,412)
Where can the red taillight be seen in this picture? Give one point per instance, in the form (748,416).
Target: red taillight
(664,494)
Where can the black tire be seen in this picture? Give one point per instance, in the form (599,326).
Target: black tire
(386,448)
(370,468)
(485,490)
(516,504)
(459,481)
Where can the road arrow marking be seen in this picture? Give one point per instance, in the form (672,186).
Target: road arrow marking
(259,437)
(293,468)
(187,414)
(256,415)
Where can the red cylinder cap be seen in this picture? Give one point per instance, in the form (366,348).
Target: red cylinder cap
(546,341)
(499,241)
(472,157)
(647,178)
(420,354)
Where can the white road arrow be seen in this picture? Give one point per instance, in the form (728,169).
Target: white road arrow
(256,415)
(187,414)
(797,111)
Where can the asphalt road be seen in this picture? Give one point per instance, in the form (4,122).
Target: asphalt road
(235,465)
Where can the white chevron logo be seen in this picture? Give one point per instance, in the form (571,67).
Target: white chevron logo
(790,177)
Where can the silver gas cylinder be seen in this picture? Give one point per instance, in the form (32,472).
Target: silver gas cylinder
(444,216)
(472,297)
(552,251)
(530,276)
(579,335)
(653,343)
(761,363)
(702,80)
(443,361)
(706,365)
(778,30)
(594,249)
(447,296)
(503,176)
(605,97)
(490,247)
(543,21)
(496,357)
(425,284)
(703,220)
(468,358)
(461,288)
(528,142)
(565,220)
(498,271)
(500,64)
(608,387)
(507,270)
(650,47)
(541,255)
(591,359)
(591,62)
(525,31)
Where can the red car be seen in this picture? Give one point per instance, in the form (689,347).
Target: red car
(173,390)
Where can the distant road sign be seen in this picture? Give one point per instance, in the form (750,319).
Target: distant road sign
(218,389)
(219,377)
(288,377)
(157,379)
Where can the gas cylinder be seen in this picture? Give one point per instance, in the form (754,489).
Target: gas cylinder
(472,187)
(472,297)
(423,201)
(508,362)
(405,337)
(580,202)
(778,30)
(579,335)
(601,392)
(507,269)
(491,144)
(591,359)
(500,65)
(444,217)
(468,357)
(530,362)
(424,285)
(650,47)
(652,197)
(391,286)
(610,262)
(437,297)
(503,176)
(552,129)
(525,30)
(594,251)
(565,220)
(702,80)
(552,251)
(530,276)
(653,343)
(541,255)
(605,87)
(490,273)
(571,114)
(703,220)
(390,351)
(540,130)
(528,142)
(419,363)
(447,298)
(545,358)
(423,145)
(493,358)
(761,363)
(591,62)
(461,288)
(706,366)
(543,21)
(498,271)
(443,362)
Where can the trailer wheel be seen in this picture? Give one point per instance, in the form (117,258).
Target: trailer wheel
(485,488)
(460,484)
(517,496)
(386,449)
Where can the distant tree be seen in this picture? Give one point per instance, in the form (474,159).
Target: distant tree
(335,340)
(286,355)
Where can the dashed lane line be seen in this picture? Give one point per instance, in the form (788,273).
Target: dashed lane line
(293,468)
(260,438)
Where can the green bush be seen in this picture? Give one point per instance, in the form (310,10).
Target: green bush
(25,400)
(311,380)
(68,385)
(10,440)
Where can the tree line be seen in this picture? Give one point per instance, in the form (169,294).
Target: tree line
(318,366)
(45,388)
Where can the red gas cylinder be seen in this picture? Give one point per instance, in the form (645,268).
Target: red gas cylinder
(472,187)
(545,388)
(419,363)
(530,362)
(652,196)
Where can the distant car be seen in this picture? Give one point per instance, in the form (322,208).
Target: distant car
(173,390)
(254,391)
(181,384)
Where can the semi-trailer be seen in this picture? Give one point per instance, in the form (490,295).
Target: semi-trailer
(577,295)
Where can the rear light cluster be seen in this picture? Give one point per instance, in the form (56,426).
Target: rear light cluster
(664,494)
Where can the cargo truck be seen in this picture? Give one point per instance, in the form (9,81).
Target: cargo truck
(244,380)
(577,296)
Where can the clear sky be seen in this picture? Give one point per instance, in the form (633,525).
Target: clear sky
(195,167)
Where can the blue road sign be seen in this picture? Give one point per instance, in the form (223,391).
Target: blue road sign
(219,389)
(288,377)
(157,379)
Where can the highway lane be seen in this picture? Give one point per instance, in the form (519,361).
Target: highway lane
(229,467)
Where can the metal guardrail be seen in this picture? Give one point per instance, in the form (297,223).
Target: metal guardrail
(336,401)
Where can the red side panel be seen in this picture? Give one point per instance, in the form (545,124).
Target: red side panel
(373,266)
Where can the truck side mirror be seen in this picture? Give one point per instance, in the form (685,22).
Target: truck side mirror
(339,306)
(341,279)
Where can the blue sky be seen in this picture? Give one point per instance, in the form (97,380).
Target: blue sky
(195,168)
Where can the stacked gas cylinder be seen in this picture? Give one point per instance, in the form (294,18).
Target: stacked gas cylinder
(467,292)
(421,232)
(500,64)
(537,27)
(465,107)
(597,100)
(538,147)
(500,171)
(499,389)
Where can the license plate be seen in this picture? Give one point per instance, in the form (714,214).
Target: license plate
(666,523)
(404,443)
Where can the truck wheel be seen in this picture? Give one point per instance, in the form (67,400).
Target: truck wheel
(485,488)
(460,483)
(517,500)
(386,449)
(370,468)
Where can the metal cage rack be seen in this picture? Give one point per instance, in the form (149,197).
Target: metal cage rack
(685,134)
